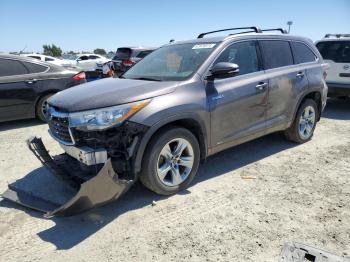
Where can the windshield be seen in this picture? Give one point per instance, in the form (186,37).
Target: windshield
(171,63)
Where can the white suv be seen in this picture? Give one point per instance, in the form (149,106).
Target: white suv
(90,62)
(335,50)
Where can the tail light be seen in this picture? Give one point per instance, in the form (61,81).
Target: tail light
(79,76)
(128,62)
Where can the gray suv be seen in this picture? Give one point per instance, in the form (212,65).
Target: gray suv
(183,103)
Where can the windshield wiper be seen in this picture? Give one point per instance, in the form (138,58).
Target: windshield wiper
(146,78)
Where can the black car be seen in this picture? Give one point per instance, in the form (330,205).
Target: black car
(126,57)
(26,84)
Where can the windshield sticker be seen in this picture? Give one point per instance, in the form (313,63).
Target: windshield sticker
(203,46)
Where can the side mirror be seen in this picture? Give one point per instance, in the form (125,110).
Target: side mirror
(223,70)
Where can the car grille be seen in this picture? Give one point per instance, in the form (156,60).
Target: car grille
(59,126)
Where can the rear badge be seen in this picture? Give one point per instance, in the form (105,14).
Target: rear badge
(346,67)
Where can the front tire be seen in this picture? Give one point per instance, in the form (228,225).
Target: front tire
(171,161)
(304,123)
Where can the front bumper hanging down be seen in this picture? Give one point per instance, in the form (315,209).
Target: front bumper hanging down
(86,192)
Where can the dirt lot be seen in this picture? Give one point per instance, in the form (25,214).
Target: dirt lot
(296,193)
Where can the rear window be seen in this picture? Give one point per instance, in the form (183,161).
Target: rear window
(11,67)
(34,68)
(123,53)
(142,54)
(302,53)
(338,51)
(276,53)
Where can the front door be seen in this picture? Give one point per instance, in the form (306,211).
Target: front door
(237,104)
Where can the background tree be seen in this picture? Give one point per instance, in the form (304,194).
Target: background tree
(100,51)
(52,50)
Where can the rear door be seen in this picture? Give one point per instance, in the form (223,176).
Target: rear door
(286,81)
(18,85)
(337,54)
(237,104)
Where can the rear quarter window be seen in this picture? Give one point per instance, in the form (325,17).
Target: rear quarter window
(302,53)
(276,53)
(337,51)
(35,68)
(10,67)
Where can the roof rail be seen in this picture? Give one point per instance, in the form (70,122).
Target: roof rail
(256,30)
(336,35)
(283,31)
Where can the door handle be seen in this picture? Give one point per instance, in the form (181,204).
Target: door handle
(300,75)
(32,81)
(261,86)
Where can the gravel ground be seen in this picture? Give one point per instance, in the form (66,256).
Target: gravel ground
(245,203)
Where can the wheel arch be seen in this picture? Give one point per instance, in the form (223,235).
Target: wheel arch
(314,95)
(40,96)
(191,122)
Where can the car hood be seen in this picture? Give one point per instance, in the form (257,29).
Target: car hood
(108,92)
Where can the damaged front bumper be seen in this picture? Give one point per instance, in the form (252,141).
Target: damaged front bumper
(87,191)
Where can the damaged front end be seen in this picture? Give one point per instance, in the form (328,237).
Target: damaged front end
(94,172)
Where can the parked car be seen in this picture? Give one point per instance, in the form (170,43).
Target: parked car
(50,59)
(179,105)
(26,84)
(126,57)
(335,50)
(90,62)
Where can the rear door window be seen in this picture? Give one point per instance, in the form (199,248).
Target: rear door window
(35,68)
(10,67)
(36,57)
(49,59)
(94,57)
(337,51)
(302,53)
(276,53)
(83,57)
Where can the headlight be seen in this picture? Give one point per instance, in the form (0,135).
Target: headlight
(103,118)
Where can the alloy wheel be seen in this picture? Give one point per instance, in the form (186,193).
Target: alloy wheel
(175,162)
(307,122)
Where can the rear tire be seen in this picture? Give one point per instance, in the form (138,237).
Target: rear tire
(41,107)
(171,161)
(304,123)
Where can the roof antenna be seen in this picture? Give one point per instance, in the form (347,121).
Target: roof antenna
(20,52)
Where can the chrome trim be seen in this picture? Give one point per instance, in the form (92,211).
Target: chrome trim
(61,141)
(52,112)
(55,113)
